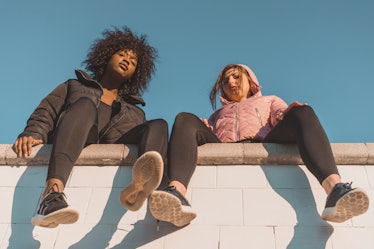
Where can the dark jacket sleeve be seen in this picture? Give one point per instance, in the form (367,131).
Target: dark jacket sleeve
(44,118)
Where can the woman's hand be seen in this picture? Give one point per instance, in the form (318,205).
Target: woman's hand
(205,121)
(293,105)
(23,145)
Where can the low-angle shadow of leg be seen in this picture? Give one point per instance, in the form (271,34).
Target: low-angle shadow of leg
(310,231)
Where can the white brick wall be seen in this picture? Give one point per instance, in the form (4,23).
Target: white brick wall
(238,206)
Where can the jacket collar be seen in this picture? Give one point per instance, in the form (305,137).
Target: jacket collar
(131,99)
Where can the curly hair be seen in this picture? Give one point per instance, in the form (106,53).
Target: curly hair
(119,39)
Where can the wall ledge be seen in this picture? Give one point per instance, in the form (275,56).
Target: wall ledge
(208,154)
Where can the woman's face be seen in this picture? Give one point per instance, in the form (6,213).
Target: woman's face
(123,63)
(235,85)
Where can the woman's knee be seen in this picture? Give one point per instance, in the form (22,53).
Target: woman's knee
(303,112)
(83,107)
(158,125)
(304,116)
(185,118)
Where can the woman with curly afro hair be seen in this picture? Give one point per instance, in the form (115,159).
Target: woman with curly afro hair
(98,107)
(116,40)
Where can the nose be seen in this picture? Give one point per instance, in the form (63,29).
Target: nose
(232,81)
(126,58)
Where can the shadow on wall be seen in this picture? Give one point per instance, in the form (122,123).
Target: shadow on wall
(310,231)
(26,202)
(135,235)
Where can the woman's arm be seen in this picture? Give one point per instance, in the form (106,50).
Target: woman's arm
(42,121)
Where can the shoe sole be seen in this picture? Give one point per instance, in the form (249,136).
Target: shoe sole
(167,207)
(353,203)
(146,177)
(63,216)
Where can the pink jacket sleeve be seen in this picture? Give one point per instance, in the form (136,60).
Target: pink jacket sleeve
(277,107)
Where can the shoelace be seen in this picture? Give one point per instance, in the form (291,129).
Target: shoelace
(170,189)
(55,196)
(347,185)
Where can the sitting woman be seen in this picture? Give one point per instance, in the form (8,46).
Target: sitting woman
(100,106)
(247,116)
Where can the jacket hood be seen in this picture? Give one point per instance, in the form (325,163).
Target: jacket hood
(255,87)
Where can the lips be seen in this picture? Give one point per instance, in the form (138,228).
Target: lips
(123,66)
(234,89)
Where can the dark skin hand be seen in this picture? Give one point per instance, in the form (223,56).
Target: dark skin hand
(23,145)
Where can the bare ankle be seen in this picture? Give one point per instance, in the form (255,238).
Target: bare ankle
(53,185)
(329,182)
(179,186)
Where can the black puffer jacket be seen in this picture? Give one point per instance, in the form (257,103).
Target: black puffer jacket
(44,119)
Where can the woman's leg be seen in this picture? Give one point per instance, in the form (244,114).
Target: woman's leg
(151,138)
(187,134)
(301,125)
(170,204)
(71,136)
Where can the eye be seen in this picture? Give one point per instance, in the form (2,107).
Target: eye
(134,62)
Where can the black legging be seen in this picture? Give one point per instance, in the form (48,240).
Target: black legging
(187,134)
(300,126)
(74,133)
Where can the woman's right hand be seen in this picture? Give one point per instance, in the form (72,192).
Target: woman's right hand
(23,145)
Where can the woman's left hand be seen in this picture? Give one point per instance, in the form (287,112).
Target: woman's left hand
(293,105)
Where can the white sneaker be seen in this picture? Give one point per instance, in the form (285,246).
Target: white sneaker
(171,206)
(146,177)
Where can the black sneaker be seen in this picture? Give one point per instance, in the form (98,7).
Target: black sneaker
(171,206)
(344,202)
(54,210)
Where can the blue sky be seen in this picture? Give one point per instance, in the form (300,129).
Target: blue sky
(319,52)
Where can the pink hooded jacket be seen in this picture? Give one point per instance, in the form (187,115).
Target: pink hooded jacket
(252,118)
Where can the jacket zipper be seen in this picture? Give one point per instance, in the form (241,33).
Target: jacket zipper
(259,116)
(236,122)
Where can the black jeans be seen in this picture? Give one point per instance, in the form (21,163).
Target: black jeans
(78,128)
(300,126)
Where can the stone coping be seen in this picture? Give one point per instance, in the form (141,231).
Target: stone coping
(208,154)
